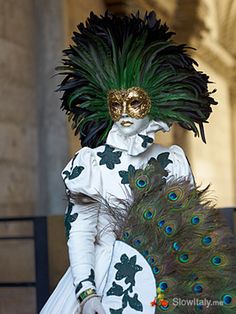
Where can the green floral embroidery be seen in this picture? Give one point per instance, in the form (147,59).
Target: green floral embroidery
(69,219)
(125,174)
(74,173)
(109,157)
(90,278)
(146,140)
(127,270)
(119,311)
(163,160)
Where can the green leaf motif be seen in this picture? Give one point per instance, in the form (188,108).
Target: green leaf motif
(135,303)
(90,278)
(146,140)
(109,157)
(69,218)
(66,173)
(115,290)
(74,173)
(127,269)
(125,300)
(125,174)
(163,159)
(119,311)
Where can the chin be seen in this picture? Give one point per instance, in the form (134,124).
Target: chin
(128,131)
(138,126)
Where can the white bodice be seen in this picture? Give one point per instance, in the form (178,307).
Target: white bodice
(102,171)
(102,174)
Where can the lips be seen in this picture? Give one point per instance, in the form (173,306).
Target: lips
(126,123)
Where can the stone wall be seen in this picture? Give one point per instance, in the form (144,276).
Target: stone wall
(33,136)
(18,113)
(212,162)
(52,127)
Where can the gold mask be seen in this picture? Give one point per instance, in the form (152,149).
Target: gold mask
(134,102)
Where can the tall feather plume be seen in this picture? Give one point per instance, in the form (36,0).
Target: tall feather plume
(113,52)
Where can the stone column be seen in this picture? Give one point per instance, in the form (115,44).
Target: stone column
(52,130)
(18,118)
(18,151)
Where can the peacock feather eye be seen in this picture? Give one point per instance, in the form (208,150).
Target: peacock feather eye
(172,196)
(227,299)
(164,307)
(151,260)
(161,223)
(163,285)
(184,258)
(148,214)
(216,260)
(141,182)
(155,270)
(176,246)
(197,288)
(126,235)
(199,307)
(206,240)
(168,230)
(137,242)
(195,220)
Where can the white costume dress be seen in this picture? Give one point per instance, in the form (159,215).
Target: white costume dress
(93,249)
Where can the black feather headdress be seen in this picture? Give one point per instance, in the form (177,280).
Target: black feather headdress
(112,52)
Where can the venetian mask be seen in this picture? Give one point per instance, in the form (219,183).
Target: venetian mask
(133,102)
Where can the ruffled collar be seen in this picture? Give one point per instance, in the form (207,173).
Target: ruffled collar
(138,143)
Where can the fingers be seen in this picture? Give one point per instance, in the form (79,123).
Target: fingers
(93,306)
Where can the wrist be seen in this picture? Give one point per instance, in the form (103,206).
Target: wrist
(86,296)
(88,293)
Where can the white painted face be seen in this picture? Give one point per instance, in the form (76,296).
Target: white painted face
(130,126)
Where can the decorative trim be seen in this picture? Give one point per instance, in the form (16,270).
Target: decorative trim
(85,294)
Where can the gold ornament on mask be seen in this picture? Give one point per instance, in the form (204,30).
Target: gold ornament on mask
(133,101)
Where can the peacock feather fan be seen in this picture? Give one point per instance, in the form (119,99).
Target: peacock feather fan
(112,52)
(184,239)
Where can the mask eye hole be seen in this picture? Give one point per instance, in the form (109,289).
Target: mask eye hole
(135,103)
(115,106)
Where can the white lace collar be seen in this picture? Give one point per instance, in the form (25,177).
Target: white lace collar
(138,143)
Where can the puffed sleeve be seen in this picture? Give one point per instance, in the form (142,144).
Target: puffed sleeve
(82,175)
(179,167)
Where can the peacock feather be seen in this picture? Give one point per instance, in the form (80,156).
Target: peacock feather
(184,239)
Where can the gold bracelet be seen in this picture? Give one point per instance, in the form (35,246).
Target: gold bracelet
(83,295)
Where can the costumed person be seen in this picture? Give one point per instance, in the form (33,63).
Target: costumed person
(141,236)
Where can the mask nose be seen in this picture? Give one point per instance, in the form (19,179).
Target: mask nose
(124,110)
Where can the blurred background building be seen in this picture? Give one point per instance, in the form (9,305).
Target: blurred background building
(36,141)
